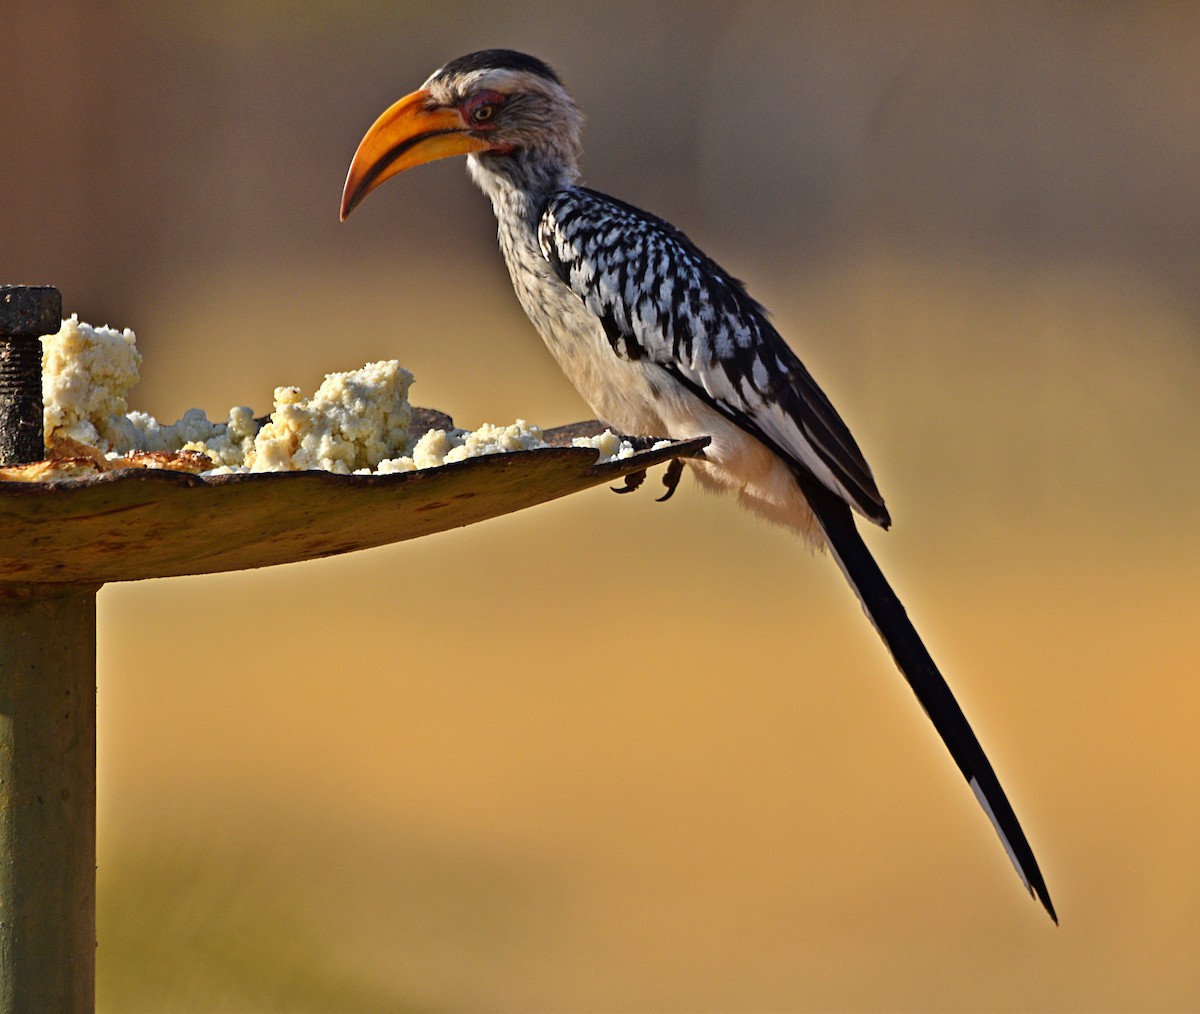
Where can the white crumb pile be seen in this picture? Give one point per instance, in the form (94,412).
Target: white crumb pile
(356,422)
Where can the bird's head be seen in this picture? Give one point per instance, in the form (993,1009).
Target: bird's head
(496,105)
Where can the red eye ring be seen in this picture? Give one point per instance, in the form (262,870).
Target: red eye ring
(481,109)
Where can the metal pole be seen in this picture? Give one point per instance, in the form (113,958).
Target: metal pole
(47,725)
(47,798)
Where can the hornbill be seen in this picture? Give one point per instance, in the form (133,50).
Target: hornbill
(659,339)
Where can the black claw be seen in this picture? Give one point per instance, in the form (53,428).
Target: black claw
(671,478)
(632,481)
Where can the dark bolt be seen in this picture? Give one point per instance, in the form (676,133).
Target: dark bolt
(26,313)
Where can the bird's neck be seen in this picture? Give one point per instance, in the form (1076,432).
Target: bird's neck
(520,184)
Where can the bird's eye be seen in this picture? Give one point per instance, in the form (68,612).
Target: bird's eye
(483,113)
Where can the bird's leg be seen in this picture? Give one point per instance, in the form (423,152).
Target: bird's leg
(632,481)
(671,478)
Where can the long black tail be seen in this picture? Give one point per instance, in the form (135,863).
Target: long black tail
(887,614)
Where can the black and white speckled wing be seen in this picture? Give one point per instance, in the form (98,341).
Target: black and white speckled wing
(660,298)
(655,334)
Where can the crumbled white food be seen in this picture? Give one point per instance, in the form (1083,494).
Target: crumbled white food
(86,374)
(226,443)
(611,446)
(356,422)
(443,447)
(231,442)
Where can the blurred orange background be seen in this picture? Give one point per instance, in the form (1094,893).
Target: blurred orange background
(610,754)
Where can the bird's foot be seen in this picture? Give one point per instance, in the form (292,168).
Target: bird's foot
(671,478)
(632,481)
